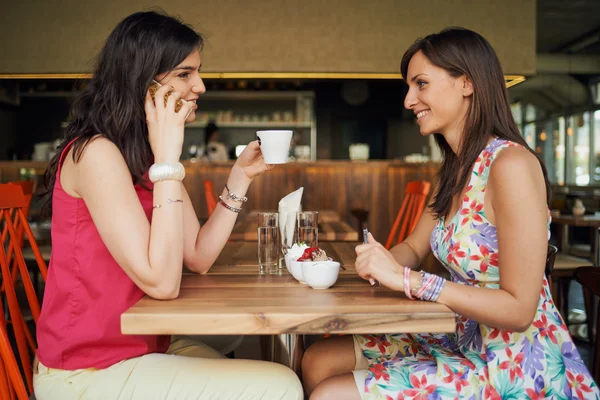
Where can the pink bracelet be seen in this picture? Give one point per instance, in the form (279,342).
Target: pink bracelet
(425,286)
(407,283)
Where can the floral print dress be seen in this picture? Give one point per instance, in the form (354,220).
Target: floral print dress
(478,361)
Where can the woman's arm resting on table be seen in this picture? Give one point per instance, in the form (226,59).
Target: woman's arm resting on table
(517,194)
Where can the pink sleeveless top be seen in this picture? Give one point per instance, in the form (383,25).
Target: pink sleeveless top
(86,293)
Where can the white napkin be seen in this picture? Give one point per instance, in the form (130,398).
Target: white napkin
(288,207)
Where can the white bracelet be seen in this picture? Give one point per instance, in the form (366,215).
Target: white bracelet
(163,172)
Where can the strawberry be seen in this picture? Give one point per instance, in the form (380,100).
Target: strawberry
(307,254)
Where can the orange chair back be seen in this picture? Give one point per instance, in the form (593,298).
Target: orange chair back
(211,199)
(13,203)
(11,381)
(27,187)
(410,212)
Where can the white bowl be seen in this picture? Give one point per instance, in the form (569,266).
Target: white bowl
(320,274)
(294,268)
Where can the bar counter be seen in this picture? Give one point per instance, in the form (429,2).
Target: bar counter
(377,186)
(341,186)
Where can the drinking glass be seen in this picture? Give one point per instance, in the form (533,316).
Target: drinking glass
(308,228)
(268,243)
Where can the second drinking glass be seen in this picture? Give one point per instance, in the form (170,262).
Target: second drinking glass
(308,228)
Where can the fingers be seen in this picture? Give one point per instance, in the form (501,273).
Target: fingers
(172,99)
(187,108)
(370,238)
(253,145)
(160,95)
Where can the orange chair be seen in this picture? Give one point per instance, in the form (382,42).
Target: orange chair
(211,199)
(12,212)
(11,381)
(27,187)
(410,211)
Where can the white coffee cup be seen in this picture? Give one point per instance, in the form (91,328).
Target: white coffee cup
(275,145)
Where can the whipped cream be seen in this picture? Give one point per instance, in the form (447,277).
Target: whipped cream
(296,251)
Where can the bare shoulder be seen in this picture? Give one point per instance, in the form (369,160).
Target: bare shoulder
(516,177)
(100,150)
(513,165)
(101,163)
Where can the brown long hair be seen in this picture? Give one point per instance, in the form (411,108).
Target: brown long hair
(463,52)
(140,47)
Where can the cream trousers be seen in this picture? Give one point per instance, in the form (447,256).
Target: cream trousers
(189,370)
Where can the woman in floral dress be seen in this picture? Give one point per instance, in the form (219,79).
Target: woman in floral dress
(488,224)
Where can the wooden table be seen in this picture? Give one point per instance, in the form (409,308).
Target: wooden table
(233,299)
(334,231)
(589,221)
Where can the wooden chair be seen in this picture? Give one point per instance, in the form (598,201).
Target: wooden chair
(550,259)
(12,211)
(589,278)
(410,212)
(560,279)
(211,199)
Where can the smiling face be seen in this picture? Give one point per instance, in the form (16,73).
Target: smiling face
(439,100)
(185,78)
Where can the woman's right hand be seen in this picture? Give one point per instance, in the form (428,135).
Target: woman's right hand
(165,126)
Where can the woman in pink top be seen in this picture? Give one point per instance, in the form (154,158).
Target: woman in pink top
(123,226)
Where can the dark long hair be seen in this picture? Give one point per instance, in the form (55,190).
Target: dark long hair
(140,47)
(463,52)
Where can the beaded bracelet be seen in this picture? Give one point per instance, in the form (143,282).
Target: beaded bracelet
(234,197)
(407,283)
(433,291)
(429,279)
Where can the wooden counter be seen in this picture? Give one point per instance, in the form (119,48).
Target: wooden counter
(328,185)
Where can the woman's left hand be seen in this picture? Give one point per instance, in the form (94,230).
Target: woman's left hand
(375,262)
(251,161)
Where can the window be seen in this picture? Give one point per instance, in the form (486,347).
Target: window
(552,142)
(596,157)
(596,92)
(530,135)
(515,109)
(530,113)
(578,132)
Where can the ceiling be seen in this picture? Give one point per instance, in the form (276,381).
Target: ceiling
(564,25)
(568,55)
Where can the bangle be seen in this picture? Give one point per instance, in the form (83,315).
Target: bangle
(227,206)
(168,201)
(434,289)
(430,279)
(234,197)
(163,172)
(419,286)
(407,283)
